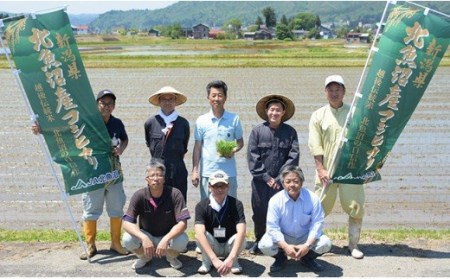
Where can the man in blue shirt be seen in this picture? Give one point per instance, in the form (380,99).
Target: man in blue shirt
(211,127)
(294,224)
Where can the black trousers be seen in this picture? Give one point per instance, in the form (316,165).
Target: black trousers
(261,194)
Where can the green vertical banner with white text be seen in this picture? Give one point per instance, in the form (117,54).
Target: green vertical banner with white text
(413,43)
(46,56)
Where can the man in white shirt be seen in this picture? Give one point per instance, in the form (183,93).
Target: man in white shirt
(294,224)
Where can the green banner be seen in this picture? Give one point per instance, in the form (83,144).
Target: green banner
(413,43)
(51,71)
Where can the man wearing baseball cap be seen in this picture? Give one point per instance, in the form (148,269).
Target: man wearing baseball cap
(220,227)
(114,195)
(325,128)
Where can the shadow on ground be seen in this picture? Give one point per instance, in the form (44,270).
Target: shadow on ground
(393,250)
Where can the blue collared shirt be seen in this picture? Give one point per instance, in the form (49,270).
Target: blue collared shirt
(209,130)
(297,219)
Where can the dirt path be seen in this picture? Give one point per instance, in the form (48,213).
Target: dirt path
(419,258)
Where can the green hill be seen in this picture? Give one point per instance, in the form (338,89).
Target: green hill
(216,13)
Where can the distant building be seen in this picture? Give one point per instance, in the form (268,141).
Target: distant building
(153,33)
(326,33)
(249,35)
(187,32)
(263,35)
(364,38)
(355,38)
(200,31)
(352,37)
(80,30)
(300,33)
(214,32)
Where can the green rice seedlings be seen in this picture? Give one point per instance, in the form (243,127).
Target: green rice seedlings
(225,148)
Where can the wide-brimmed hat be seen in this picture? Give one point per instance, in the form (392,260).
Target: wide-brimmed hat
(154,99)
(289,107)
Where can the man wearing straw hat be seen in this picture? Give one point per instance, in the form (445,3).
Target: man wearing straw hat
(167,136)
(272,145)
(325,128)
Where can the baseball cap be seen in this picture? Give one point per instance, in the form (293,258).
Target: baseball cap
(334,78)
(217,177)
(105,92)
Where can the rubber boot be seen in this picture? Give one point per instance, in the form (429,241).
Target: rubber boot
(90,230)
(116,227)
(354,233)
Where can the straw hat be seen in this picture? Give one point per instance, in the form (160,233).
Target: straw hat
(180,98)
(289,107)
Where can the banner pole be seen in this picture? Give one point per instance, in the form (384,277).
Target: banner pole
(426,8)
(40,140)
(356,97)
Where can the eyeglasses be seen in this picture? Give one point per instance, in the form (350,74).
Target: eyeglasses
(155,176)
(295,181)
(110,105)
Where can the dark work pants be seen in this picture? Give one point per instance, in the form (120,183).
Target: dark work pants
(261,194)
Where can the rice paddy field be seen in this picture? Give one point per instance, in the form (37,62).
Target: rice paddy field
(412,194)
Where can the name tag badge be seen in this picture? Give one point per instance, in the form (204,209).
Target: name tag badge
(219,232)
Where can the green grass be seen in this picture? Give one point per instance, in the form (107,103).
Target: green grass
(383,235)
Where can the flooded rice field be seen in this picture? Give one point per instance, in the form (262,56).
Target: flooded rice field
(413,192)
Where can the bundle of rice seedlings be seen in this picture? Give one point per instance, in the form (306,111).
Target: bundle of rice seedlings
(225,148)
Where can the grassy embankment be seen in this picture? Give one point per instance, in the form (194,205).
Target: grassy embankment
(384,235)
(114,52)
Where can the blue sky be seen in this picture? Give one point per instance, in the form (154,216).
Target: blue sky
(81,7)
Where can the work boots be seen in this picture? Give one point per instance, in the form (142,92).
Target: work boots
(90,230)
(354,233)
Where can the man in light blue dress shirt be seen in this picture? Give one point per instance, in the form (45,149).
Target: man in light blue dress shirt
(217,124)
(294,224)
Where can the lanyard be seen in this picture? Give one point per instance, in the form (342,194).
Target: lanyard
(223,213)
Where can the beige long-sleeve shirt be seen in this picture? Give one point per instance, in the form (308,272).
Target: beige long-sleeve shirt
(325,128)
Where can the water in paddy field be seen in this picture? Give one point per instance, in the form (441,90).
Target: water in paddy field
(412,193)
